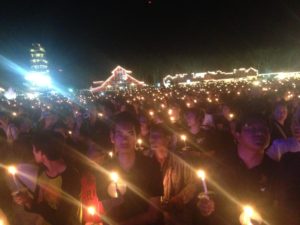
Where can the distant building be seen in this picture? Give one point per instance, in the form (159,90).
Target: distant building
(194,78)
(38,62)
(120,79)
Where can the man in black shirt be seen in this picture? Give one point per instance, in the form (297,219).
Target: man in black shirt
(140,202)
(247,173)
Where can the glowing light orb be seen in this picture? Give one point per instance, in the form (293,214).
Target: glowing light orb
(39,79)
(91,210)
(114,177)
(201,174)
(12,170)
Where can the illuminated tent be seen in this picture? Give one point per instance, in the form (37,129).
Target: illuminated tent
(120,79)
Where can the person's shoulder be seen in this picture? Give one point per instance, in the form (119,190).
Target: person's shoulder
(281,141)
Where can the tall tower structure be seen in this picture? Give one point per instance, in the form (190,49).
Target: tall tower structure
(38,60)
(39,72)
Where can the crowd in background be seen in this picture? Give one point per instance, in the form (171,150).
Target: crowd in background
(244,135)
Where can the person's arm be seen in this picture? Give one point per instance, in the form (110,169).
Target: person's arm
(275,151)
(68,205)
(189,190)
(149,217)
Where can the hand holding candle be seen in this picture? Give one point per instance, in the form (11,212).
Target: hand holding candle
(115,178)
(13,171)
(249,215)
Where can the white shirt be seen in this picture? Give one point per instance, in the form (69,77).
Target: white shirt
(282,146)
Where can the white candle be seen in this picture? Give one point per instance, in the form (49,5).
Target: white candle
(201,174)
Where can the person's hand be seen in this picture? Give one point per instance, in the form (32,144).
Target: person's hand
(206,206)
(22,198)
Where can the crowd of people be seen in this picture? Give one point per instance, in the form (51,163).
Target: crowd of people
(131,157)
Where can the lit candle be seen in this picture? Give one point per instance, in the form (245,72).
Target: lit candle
(70,132)
(201,174)
(140,141)
(247,215)
(100,114)
(14,171)
(91,210)
(170,112)
(231,115)
(151,113)
(115,177)
(111,154)
(183,138)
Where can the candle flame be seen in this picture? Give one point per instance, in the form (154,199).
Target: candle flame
(201,174)
(114,177)
(12,170)
(139,141)
(183,137)
(248,210)
(91,210)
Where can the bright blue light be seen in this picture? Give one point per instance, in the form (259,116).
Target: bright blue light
(71,90)
(39,79)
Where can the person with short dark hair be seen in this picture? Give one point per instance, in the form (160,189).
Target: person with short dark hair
(140,202)
(58,186)
(278,126)
(248,172)
(179,181)
(292,144)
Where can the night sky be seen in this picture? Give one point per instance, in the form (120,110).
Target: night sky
(151,38)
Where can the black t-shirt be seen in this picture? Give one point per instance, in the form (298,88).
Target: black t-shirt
(144,180)
(255,186)
(278,131)
(289,186)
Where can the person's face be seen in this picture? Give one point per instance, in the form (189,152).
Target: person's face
(124,138)
(190,119)
(159,142)
(37,155)
(254,136)
(280,113)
